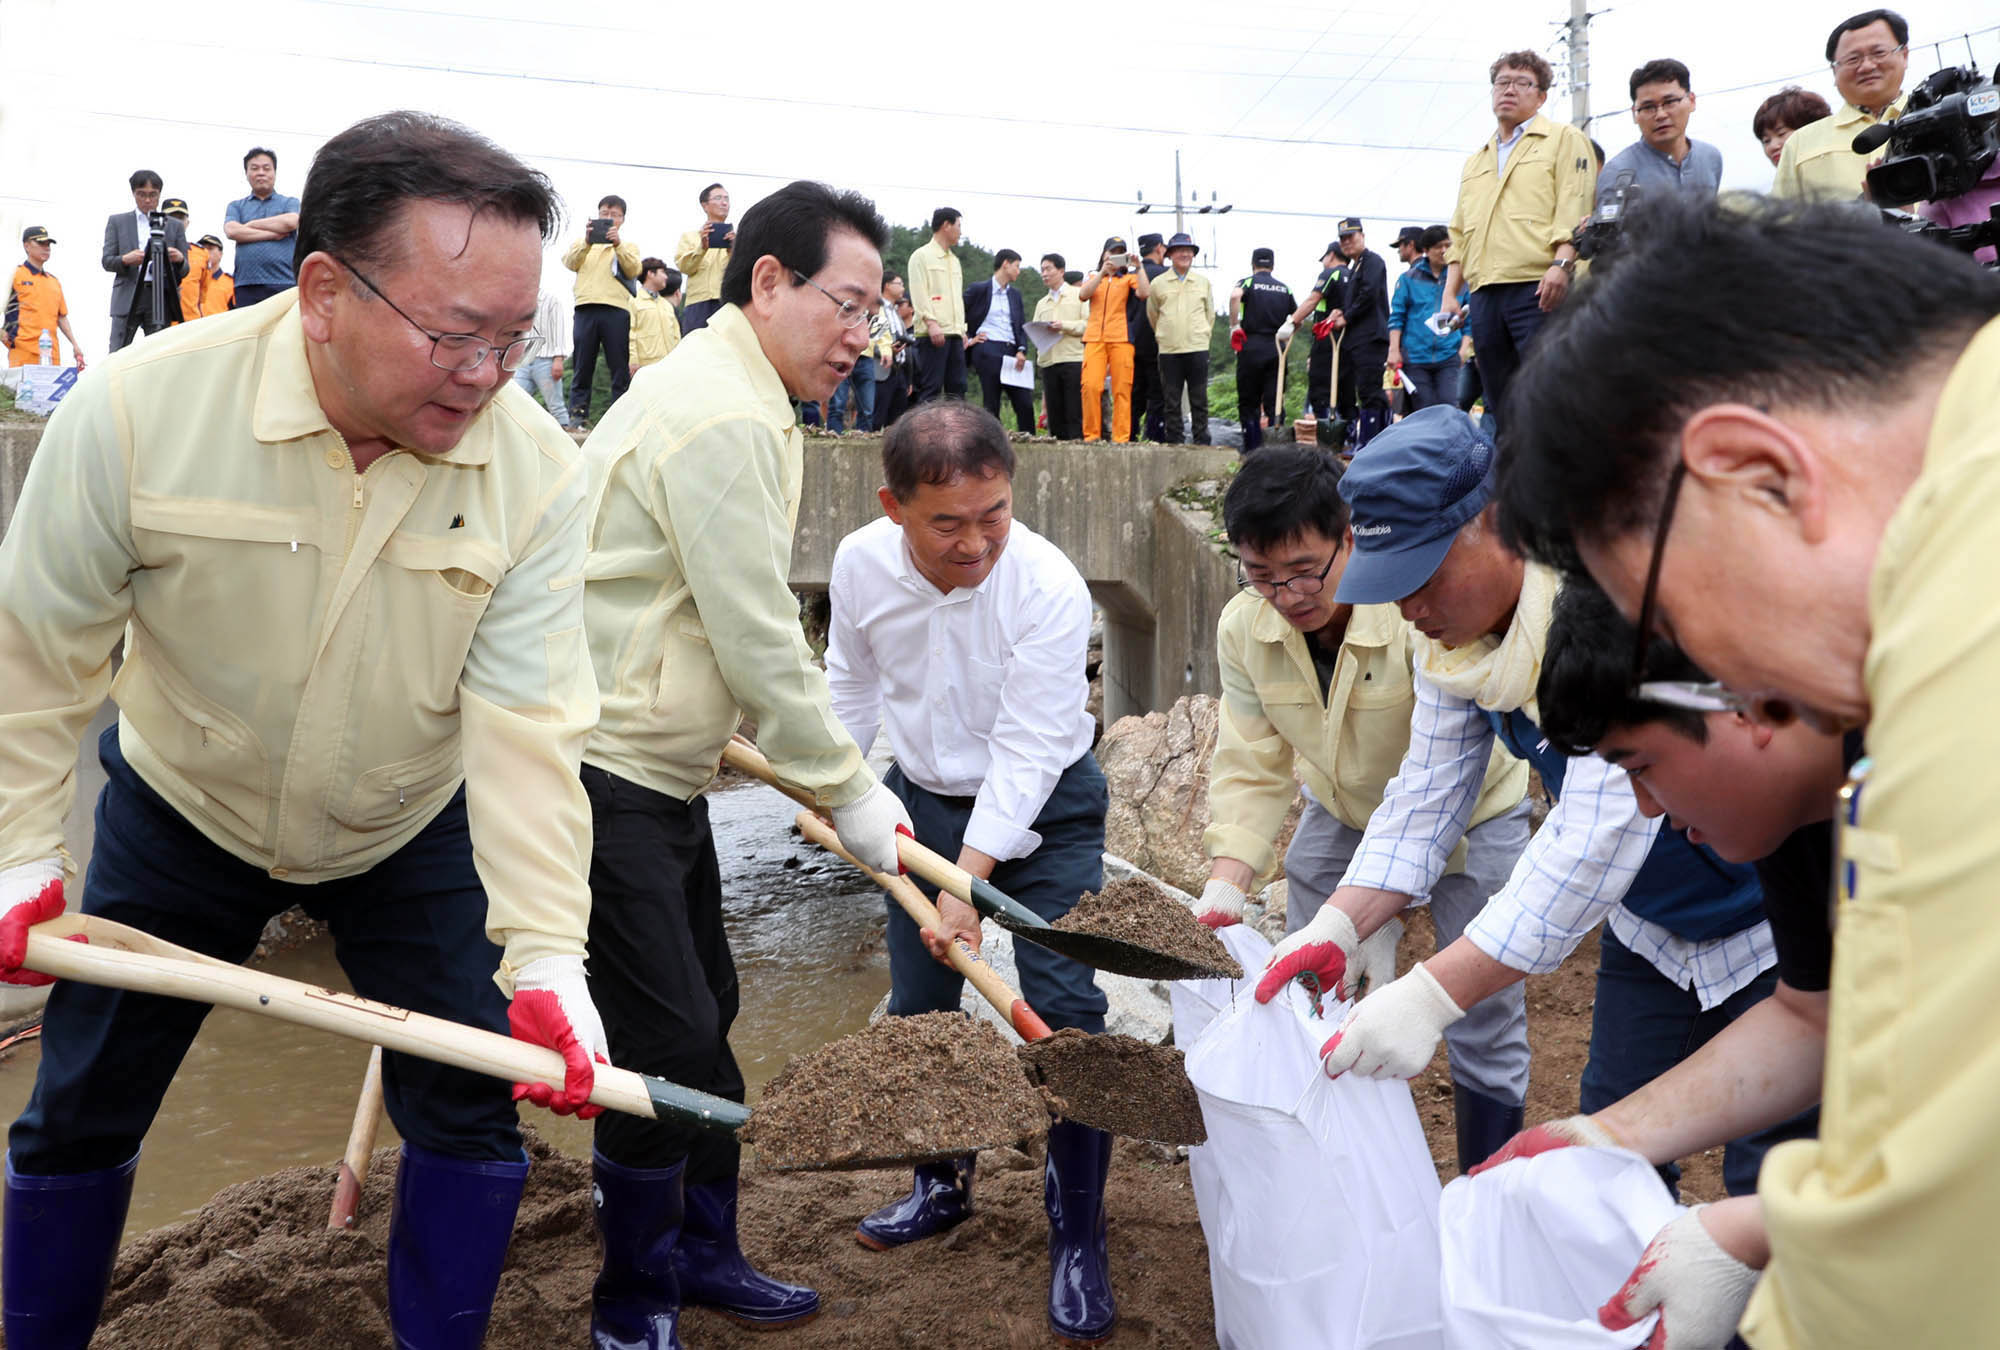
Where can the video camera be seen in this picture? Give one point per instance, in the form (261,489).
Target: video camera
(1943,143)
(1597,234)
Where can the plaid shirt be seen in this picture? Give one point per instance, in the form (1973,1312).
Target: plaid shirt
(1575,870)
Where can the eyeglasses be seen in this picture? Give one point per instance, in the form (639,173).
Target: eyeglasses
(1853,61)
(1303,585)
(1666,105)
(851,314)
(456,352)
(1517,82)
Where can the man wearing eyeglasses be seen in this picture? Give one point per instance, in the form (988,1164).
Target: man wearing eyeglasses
(1664,158)
(1323,688)
(1870,55)
(691,622)
(344,557)
(1520,198)
(1685,947)
(1811,521)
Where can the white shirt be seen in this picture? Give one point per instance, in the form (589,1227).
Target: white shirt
(551,337)
(999,324)
(145,233)
(1574,872)
(981,688)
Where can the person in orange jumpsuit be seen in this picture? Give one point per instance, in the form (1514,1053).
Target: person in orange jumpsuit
(1107,338)
(206,289)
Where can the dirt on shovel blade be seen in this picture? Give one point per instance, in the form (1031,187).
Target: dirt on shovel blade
(1137,913)
(906,1090)
(1117,1083)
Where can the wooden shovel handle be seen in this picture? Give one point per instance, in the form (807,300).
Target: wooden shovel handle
(125,958)
(360,1144)
(964,960)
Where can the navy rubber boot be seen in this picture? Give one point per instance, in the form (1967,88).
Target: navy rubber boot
(1082,1309)
(60,1239)
(636,1302)
(1484,1124)
(940,1199)
(714,1273)
(448,1236)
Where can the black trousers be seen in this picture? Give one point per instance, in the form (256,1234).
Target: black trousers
(410,931)
(139,318)
(1062,390)
(257,295)
(940,368)
(1319,377)
(1256,385)
(986,359)
(1358,393)
(1505,320)
(1189,371)
(892,397)
(1148,396)
(660,969)
(606,327)
(697,315)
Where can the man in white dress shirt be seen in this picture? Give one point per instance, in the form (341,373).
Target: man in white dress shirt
(963,634)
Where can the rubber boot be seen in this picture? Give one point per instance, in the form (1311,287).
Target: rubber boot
(1082,1309)
(940,1198)
(1484,1124)
(636,1302)
(714,1273)
(448,1236)
(60,1239)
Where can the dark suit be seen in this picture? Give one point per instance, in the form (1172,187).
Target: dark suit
(1148,396)
(131,296)
(987,357)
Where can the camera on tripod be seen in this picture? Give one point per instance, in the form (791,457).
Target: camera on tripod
(1943,143)
(157,266)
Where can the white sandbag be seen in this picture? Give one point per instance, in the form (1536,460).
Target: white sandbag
(1533,1248)
(1318,1197)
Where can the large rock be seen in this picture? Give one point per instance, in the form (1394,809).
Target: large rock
(1157,769)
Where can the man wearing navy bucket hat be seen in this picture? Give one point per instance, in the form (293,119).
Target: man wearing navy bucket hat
(1685,948)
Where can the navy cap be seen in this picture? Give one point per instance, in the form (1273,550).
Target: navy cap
(1183,241)
(1263,257)
(1334,247)
(36,234)
(1147,241)
(1411,234)
(1351,225)
(1409,490)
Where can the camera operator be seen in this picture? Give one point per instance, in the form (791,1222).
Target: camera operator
(143,250)
(1807,509)
(1870,55)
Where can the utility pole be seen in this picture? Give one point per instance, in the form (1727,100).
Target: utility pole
(1184,203)
(1578,37)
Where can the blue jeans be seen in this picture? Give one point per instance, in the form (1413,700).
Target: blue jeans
(410,931)
(538,377)
(1644,1025)
(1069,862)
(858,392)
(1435,384)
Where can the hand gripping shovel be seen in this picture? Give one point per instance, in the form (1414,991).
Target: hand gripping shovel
(1116,955)
(1090,1090)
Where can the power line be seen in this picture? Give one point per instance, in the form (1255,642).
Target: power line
(1251,106)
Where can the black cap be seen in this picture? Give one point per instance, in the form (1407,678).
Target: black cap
(174,206)
(1334,247)
(1263,257)
(1411,234)
(208,241)
(1351,225)
(1147,241)
(1114,244)
(36,234)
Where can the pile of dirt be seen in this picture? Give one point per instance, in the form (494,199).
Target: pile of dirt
(257,1270)
(907,1089)
(1117,1083)
(1137,912)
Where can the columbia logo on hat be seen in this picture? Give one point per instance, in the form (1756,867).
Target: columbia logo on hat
(1368,531)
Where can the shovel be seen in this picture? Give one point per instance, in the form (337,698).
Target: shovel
(1102,953)
(1010,1005)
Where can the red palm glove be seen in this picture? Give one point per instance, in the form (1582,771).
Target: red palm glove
(1698,1289)
(1569,1132)
(1323,949)
(1236,339)
(1323,327)
(31,893)
(552,1007)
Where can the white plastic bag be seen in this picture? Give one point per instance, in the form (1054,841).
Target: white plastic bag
(1534,1247)
(1318,1197)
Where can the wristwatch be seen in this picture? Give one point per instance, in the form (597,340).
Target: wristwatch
(1567,264)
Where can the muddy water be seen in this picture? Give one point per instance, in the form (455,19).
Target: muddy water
(255,1094)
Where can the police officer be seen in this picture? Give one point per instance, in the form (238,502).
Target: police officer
(1320,305)
(1149,406)
(1364,348)
(1260,307)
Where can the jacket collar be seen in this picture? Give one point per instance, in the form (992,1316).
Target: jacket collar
(1538,125)
(1367,626)
(733,327)
(287,403)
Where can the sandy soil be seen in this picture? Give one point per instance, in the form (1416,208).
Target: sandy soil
(256,1269)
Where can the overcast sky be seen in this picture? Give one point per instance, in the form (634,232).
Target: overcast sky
(1040,120)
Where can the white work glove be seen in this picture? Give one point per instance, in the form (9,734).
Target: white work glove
(1698,1289)
(30,893)
(1569,1132)
(1394,1032)
(552,1007)
(1285,331)
(1332,952)
(1221,904)
(867,828)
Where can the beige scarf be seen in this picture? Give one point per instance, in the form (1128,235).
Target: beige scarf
(1498,673)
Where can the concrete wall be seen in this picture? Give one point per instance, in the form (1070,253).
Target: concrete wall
(17,447)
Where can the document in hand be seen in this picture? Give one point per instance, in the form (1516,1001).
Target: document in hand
(1045,335)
